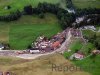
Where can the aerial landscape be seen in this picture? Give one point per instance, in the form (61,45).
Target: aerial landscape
(49,37)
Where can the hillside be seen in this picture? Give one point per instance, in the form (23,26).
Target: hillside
(40,66)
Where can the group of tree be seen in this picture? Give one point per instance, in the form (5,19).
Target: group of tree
(11,17)
(69,4)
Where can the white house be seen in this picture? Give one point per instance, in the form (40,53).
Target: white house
(1,47)
(34,51)
(77,56)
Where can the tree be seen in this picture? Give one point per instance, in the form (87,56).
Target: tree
(89,50)
(28,10)
(41,15)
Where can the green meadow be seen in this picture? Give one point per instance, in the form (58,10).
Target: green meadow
(19,34)
(86,3)
(19,4)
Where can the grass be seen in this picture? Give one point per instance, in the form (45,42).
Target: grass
(22,35)
(89,66)
(19,4)
(88,33)
(86,3)
(79,46)
(19,34)
(97,27)
(4,33)
(76,45)
(87,47)
(40,66)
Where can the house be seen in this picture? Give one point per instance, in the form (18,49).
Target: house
(1,46)
(79,19)
(56,44)
(34,51)
(96,51)
(77,56)
(90,27)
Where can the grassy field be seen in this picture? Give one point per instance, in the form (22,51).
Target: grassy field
(88,33)
(4,33)
(79,46)
(87,47)
(86,3)
(75,45)
(86,64)
(19,34)
(19,4)
(40,66)
(22,35)
(89,65)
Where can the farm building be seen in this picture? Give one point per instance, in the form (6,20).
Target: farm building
(1,46)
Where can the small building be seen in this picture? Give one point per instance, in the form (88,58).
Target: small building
(96,51)
(34,51)
(56,44)
(79,19)
(90,27)
(77,56)
(7,7)
(1,46)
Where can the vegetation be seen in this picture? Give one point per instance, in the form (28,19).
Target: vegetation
(75,46)
(89,65)
(69,4)
(19,4)
(86,3)
(23,35)
(87,48)
(4,33)
(93,37)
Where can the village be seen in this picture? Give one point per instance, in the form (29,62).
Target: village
(43,46)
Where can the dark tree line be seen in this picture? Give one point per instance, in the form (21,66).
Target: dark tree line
(87,11)
(11,17)
(65,18)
